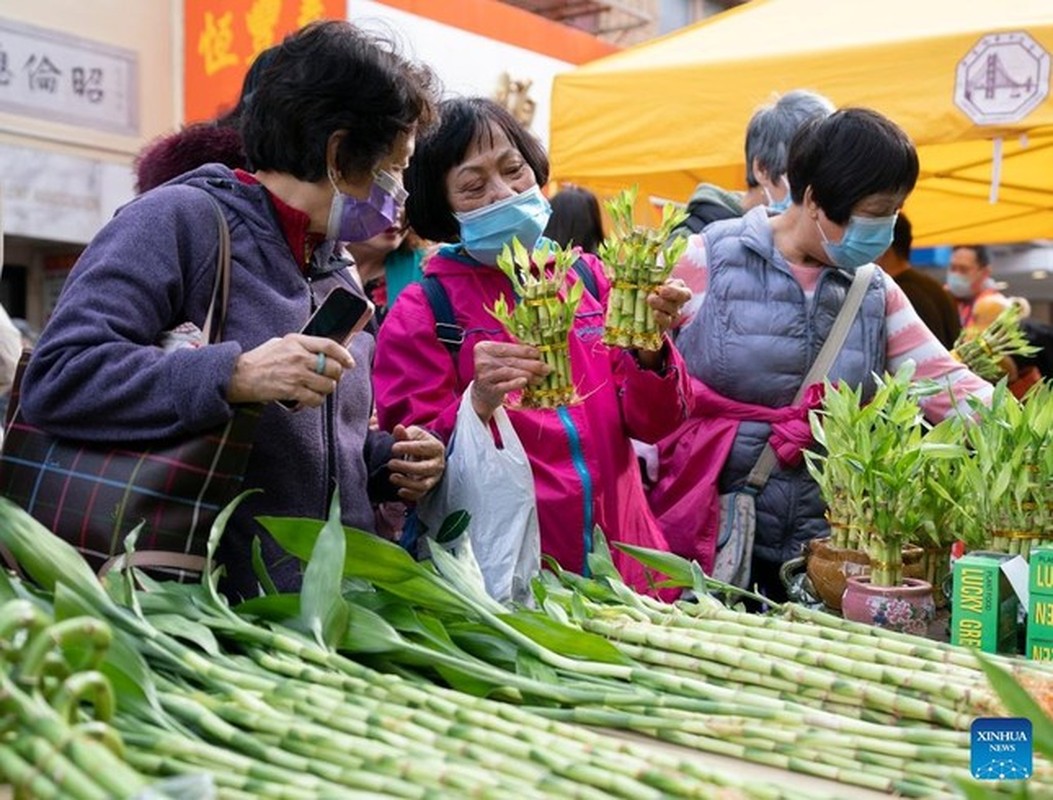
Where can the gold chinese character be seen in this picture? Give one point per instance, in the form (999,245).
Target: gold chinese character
(310,10)
(261,20)
(513,95)
(215,41)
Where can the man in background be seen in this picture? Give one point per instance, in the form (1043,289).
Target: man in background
(969,280)
(934,305)
(768,136)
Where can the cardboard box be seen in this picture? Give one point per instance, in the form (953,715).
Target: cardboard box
(984,606)
(1040,570)
(1039,649)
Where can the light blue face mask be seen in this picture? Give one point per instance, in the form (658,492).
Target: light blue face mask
(961,286)
(864,239)
(485,231)
(778,206)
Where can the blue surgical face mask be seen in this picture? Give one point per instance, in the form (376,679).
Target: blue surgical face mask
(961,286)
(864,239)
(485,231)
(354,220)
(778,206)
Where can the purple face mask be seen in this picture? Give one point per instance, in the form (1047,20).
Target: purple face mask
(354,220)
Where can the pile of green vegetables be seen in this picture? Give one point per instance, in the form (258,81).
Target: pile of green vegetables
(387,676)
(238,704)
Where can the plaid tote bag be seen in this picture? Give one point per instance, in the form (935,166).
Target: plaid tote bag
(93,494)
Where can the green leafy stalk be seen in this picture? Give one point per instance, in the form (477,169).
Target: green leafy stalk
(638,259)
(542,314)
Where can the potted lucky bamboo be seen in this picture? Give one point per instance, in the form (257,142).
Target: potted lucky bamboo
(949,515)
(542,316)
(878,473)
(830,560)
(638,259)
(1006,479)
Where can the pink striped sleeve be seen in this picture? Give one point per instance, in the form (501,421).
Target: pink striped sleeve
(692,269)
(908,339)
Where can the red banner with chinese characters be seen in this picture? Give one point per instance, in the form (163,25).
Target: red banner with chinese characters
(222,37)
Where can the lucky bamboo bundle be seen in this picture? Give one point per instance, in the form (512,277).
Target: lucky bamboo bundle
(986,352)
(542,316)
(638,260)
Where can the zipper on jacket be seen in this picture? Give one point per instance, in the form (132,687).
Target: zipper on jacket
(577,457)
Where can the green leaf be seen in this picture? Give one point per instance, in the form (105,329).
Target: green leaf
(564,639)
(601,565)
(47,559)
(530,666)
(260,568)
(677,569)
(131,679)
(483,643)
(367,556)
(323,609)
(464,680)
(188,630)
(463,574)
(272,607)
(1019,703)
(368,632)
(210,577)
(453,526)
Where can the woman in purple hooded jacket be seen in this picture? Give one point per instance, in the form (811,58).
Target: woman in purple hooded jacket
(328,132)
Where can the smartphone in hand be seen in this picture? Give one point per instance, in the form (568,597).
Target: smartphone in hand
(341,315)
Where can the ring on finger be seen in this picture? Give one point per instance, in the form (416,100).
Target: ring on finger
(319,366)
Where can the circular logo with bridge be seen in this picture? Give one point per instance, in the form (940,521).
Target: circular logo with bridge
(1002,79)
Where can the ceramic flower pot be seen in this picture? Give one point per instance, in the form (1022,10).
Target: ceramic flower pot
(908,608)
(828,568)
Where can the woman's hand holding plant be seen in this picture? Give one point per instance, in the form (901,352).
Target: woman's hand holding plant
(500,368)
(666,301)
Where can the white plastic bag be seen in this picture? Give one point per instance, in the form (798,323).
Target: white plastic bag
(496,487)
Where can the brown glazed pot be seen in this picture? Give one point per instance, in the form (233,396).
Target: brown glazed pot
(828,568)
(907,608)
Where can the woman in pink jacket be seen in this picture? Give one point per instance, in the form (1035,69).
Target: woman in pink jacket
(475,181)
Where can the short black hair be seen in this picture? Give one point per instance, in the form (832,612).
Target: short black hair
(983,258)
(575,219)
(331,76)
(463,120)
(850,155)
(902,237)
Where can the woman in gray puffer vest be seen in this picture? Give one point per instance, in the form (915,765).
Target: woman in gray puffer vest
(769,290)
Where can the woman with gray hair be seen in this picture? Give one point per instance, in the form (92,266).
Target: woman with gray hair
(768,136)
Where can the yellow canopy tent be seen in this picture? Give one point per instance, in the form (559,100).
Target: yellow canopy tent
(967,79)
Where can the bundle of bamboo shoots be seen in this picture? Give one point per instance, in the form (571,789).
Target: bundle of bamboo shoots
(985,352)
(542,317)
(638,260)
